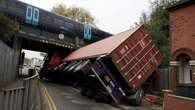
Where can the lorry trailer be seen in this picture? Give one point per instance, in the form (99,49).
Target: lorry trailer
(120,64)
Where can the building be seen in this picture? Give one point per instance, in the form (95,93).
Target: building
(27,61)
(36,62)
(182,57)
(182,49)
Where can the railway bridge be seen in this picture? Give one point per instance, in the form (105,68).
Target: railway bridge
(39,30)
(40,27)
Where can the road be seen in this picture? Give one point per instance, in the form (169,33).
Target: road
(69,98)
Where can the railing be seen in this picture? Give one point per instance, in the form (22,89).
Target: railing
(11,99)
(23,97)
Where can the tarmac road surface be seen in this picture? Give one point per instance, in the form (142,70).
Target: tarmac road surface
(63,97)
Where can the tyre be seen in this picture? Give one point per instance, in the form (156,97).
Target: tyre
(83,91)
(90,93)
(136,99)
(102,98)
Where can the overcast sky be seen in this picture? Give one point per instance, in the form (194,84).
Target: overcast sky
(113,16)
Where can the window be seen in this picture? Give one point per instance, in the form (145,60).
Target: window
(29,12)
(36,16)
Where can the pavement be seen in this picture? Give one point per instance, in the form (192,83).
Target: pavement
(62,97)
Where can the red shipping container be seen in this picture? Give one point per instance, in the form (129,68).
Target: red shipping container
(132,52)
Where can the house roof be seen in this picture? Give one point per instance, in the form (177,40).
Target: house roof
(102,47)
(181,4)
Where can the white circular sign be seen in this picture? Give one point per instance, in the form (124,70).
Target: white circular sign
(61,36)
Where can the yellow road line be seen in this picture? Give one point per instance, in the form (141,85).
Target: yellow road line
(50,107)
(51,103)
(50,99)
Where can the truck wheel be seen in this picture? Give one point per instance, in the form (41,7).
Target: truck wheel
(76,84)
(136,99)
(101,98)
(90,93)
(83,91)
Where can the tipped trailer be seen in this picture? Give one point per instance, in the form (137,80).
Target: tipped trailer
(115,67)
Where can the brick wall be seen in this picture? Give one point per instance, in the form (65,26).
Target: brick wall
(173,102)
(182,34)
(182,30)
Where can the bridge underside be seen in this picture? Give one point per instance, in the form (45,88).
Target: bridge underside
(44,41)
(42,47)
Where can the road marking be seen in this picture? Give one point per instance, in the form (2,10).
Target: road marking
(50,99)
(50,107)
(51,103)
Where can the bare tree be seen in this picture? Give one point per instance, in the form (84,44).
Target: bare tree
(74,13)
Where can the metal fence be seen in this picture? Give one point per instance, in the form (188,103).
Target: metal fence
(8,64)
(11,99)
(23,97)
(30,93)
